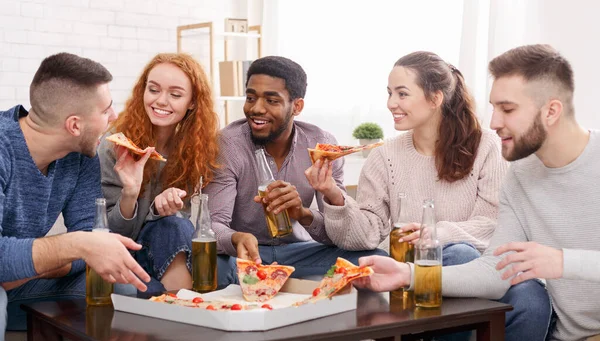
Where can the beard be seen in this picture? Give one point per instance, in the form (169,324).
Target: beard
(273,135)
(88,144)
(530,142)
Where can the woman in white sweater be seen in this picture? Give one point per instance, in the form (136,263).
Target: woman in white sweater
(445,156)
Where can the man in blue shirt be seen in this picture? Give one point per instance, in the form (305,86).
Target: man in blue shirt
(48,166)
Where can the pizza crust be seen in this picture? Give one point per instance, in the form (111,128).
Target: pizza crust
(317,153)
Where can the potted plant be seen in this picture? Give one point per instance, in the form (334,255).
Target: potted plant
(368,133)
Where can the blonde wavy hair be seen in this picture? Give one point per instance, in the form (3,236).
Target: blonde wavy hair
(195,143)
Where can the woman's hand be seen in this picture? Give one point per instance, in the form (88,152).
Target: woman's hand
(169,201)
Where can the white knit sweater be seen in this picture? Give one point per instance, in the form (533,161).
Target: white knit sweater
(465,210)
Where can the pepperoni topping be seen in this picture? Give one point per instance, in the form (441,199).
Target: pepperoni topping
(251,269)
(278,273)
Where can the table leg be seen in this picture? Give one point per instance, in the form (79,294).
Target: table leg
(493,330)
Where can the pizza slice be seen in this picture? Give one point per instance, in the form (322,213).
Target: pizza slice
(331,152)
(337,277)
(260,283)
(122,140)
(199,302)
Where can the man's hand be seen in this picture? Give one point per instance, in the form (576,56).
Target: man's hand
(169,201)
(319,175)
(246,245)
(388,274)
(532,260)
(281,196)
(107,254)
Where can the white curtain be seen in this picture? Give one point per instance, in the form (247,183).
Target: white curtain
(348,48)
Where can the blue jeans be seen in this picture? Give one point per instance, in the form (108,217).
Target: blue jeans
(309,258)
(37,290)
(161,241)
(530,317)
(3,316)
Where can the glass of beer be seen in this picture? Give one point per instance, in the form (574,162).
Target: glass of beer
(401,251)
(428,262)
(278,225)
(97,290)
(204,251)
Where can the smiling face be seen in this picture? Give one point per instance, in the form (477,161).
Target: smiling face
(100,115)
(168,95)
(407,102)
(268,109)
(516,118)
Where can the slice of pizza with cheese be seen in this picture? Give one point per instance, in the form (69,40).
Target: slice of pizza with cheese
(122,140)
(199,302)
(260,283)
(324,151)
(337,277)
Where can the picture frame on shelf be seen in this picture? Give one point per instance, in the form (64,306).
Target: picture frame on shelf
(236,25)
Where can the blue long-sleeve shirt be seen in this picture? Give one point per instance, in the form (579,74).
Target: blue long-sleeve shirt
(30,202)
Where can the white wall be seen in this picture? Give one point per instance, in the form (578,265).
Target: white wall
(123,35)
(573,27)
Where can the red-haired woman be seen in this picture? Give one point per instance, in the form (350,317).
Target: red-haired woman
(170,109)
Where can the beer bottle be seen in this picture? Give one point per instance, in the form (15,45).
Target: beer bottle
(278,225)
(401,251)
(428,262)
(204,251)
(97,290)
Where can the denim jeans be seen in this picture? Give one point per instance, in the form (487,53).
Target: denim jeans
(161,241)
(530,317)
(310,259)
(3,315)
(37,290)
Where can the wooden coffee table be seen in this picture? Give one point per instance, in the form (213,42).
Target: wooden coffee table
(378,316)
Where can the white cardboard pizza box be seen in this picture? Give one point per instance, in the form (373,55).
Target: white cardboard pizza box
(282,314)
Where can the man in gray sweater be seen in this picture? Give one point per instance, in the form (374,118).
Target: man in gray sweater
(548,202)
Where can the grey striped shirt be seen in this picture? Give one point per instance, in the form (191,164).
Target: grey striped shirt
(234,186)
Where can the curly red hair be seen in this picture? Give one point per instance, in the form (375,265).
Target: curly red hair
(195,143)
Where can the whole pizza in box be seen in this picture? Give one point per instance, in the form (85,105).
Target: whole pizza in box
(325,151)
(260,283)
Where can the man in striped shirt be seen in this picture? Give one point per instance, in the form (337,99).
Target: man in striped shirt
(274,96)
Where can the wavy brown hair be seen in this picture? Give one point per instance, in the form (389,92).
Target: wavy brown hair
(460,132)
(195,143)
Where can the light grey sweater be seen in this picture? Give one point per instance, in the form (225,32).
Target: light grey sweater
(111,188)
(466,209)
(557,207)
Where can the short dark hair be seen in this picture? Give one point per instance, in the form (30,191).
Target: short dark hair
(62,77)
(283,68)
(534,62)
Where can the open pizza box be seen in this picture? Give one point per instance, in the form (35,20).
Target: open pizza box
(283,312)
